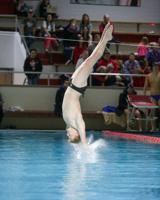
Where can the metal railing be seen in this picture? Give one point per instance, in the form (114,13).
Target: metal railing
(56,75)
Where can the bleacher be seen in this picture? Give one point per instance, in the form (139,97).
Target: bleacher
(7,7)
(129,35)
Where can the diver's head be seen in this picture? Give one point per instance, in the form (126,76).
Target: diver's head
(73,135)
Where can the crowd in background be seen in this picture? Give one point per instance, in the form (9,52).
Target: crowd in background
(79,40)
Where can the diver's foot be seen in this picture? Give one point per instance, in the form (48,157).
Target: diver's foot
(109,32)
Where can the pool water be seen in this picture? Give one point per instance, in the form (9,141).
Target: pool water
(44,166)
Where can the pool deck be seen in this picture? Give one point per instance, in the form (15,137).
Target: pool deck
(47,120)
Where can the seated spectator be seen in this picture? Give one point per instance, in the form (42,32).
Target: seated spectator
(104,66)
(22,8)
(112,79)
(46,8)
(131,66)
(142,49)
(153,54)
(1,109)
(71,32)
(122,107)
(106,19)
(49,33)
(29,28)
(71,36)
(59,96)
(120,64)
(32,64)
(86,28)
(78,50)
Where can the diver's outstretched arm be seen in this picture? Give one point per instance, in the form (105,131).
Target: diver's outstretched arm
(82,131)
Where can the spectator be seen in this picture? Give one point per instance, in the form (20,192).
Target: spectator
(153,54)
(59,97)
(49,32)
(1,109)
(78,50)
(152,82)
(112,79)
(71,32)
(142,49)
(106,19)
(86,28)
(122,107)
(131,66)
(43,8)
(22,8)
(29,28)
(46,8)
(32,64)
(104,65)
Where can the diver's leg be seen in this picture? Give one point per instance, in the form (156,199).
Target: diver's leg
(80,76)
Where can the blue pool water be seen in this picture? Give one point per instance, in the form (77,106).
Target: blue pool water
(44,166)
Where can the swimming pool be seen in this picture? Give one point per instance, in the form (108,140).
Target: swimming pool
(44,166)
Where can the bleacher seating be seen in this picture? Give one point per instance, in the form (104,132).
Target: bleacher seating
(135,37)
(128,40)
(7,7)
(58,58)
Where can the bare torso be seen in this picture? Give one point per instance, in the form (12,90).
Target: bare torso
(154,81)
(71,107)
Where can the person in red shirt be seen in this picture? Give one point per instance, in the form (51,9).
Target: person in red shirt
(104,66)
(106,19)
(142,48)
(78,50)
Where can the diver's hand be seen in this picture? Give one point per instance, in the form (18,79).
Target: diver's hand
(85,147)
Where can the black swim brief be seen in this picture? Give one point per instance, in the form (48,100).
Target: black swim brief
(81,90)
